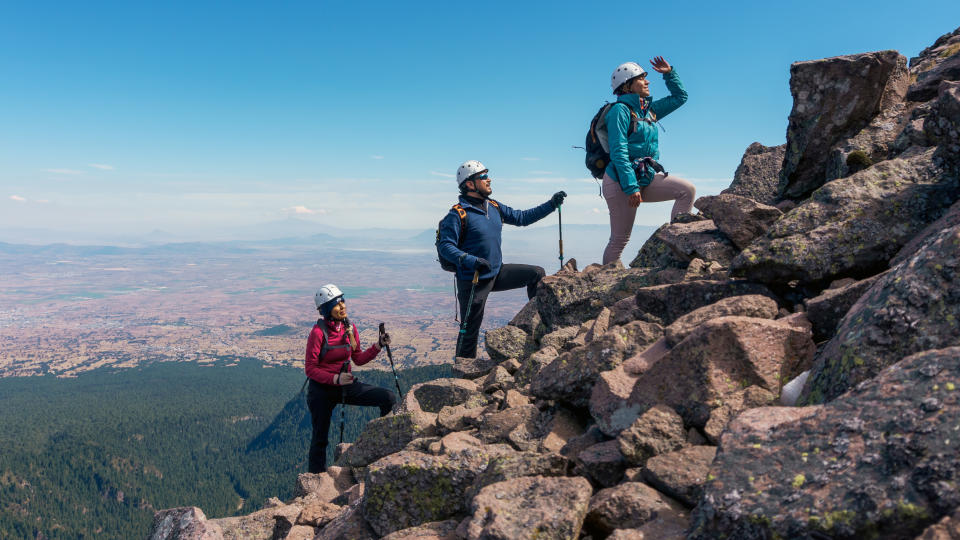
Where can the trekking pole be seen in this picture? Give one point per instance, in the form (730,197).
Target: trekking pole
(343,397)
(560,224)
(390,356)
(463,324)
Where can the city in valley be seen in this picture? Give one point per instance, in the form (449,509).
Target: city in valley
(69,309)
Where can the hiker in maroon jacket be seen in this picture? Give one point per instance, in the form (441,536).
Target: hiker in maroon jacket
(333,342)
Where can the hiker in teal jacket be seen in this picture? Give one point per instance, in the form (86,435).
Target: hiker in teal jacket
(626,185)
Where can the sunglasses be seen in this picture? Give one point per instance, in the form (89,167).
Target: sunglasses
(479,177)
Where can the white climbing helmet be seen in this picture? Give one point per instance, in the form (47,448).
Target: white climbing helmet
(468,169)
(624,73)
(326,293)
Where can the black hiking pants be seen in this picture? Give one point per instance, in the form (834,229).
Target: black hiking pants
(323,398)
(511,276)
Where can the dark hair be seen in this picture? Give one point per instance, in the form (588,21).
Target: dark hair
(622,89)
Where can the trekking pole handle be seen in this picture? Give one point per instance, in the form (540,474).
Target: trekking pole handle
(476,276)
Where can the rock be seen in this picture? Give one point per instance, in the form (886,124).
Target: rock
(386,435)
(739,218)
(851,226)
(320,485)
(184,523)
(937,63)
(947,528)
(879,461)
(317,513)
(407,489)
(459,417)
(564,426)
(531,507)
(532,365)
(826,311)
(699,269)
(833,99)
(300,532)
(752,305)
(664,304)
(676,244)
(508,342)
(681,474)
(511,365)
(758,175)
(570,377)
(265,523)
(609,401)
(518,465)
(603,462)
(566,299)
(436,530)
(527,435)
(951,218)
(495,427)
(434,395)
(458,441)
(515,399)
(497,379)
(694,438)
(590,330)
(657,431)
(628,505)
(472,368)
(348,525)
(559,338)
(528,318)
(916,306)
(718,361)
(580,443)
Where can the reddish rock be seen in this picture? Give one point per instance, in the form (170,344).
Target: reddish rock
(517,465)
(664,304)
(317,513)
(386,435)
(348,525)
(947,528)
(752,305)
(676,244)
(434,395)
(437,530)
(603,462)
(681,474)
(495,427)
(530,507)
(739,218)
(472,368)
(626,506)
(827,310)
(321,485)
(563,427)
(657,431)
(879,461)
(508,342)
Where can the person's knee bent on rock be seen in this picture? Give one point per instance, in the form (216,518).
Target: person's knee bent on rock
(477,248)
(625,187)
(333,342)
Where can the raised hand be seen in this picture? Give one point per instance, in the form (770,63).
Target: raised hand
(660,65)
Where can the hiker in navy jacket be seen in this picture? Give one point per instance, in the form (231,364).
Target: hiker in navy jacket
(479,247)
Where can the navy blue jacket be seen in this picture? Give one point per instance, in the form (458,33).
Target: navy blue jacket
(483,229)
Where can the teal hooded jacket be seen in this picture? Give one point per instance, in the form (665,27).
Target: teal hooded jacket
(645,142)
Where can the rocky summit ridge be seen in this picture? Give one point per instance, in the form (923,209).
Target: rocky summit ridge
(647,402)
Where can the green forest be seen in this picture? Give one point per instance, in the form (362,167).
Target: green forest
(96,456)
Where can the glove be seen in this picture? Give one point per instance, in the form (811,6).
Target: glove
(384,340)
(557,198)
(482,265)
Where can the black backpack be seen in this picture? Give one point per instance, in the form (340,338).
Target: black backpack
(445,264)
(597,146)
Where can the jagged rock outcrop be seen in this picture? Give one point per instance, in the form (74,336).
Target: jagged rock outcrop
(751,305)
(878,462)
(386,435)
(935,64)
(664,304)
(657,431)
(833,99)
(531,507)
(740,219)
(916,306)
(627,506)
(186,523)
(676,244)
(827,310)
(434,395)
(758,175)
(509,342)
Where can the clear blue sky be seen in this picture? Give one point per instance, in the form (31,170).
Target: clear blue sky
(191,116)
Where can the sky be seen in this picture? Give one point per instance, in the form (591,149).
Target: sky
(194,117)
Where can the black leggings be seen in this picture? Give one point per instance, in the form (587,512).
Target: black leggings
(322,398)
(511,276)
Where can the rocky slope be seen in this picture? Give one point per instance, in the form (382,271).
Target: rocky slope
(642,402)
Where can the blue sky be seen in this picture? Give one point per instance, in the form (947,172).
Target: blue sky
(191,117)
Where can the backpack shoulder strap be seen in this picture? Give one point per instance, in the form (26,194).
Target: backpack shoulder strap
(326,340)
(463,221)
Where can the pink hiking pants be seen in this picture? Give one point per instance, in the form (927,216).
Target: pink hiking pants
(662,188)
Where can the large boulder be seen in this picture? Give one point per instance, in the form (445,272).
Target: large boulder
(185,523)
(852,226)
(497,426)
(935,64)
(751,305)
(878,462)
(264,523)
(386,435)
(472,368)
(833,99)
(676,244)
(432,396)
(626,506)
(435,530)
(664,304)
(739,218)
(411,488)
(348,525)
(719,360)
(568,298)
(508,342)
(916,306)
(603,463)
(950,218)
(530,507)
(681,474)
(570,377)
(758,175)
(518,465)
